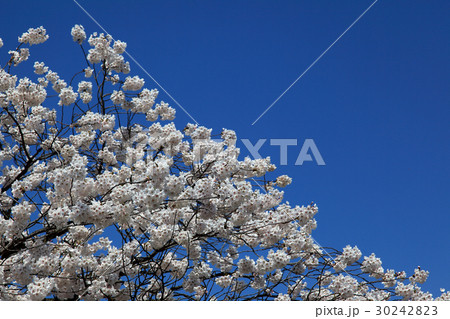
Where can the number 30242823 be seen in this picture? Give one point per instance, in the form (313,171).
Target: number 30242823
(407,311)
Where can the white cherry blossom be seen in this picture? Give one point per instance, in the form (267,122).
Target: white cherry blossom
(103,199)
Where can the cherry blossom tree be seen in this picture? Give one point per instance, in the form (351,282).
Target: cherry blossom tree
(103,198)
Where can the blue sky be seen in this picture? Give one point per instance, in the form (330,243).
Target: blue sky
(376,105)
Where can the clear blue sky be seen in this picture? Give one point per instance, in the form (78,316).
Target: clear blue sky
(376,105)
